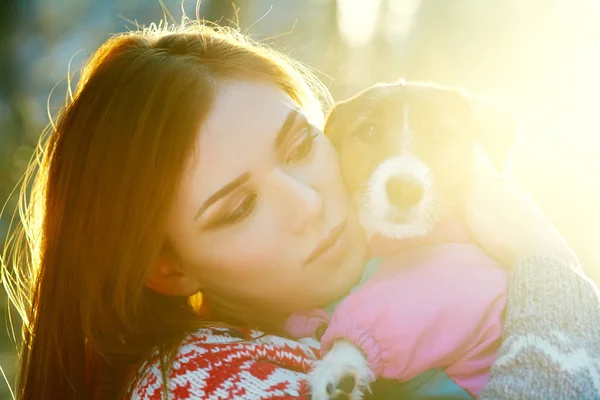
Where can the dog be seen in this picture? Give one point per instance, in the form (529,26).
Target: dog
(407,152)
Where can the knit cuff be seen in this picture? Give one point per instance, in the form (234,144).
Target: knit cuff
(546,294)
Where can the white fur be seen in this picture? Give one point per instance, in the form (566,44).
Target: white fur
(378,215)
(407,135)
(343,359)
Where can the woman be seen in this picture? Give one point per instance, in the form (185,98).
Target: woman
(191,162)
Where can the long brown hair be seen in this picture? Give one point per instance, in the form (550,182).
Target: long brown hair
(93,222)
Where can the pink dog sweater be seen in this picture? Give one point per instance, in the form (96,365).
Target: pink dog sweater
(431,303)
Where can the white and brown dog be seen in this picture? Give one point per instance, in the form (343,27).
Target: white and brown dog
(407,153)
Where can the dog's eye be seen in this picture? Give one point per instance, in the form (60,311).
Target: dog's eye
(366,133)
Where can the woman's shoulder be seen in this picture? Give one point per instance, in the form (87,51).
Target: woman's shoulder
(230,363)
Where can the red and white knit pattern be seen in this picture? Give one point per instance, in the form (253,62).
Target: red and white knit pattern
(221,364)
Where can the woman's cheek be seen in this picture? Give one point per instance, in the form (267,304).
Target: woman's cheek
(252,243)
(242,260)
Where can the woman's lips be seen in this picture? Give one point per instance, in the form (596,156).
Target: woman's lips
(327,242)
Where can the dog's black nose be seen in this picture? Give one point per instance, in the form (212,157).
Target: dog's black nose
(403,192)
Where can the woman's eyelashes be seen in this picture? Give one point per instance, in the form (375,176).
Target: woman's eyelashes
(242,210)
(302,145)
(242,207)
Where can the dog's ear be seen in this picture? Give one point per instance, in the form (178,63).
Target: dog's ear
(331,119)
(337,121)
(496,131)
(331,129)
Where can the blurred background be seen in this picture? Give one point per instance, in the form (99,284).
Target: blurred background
(538,58)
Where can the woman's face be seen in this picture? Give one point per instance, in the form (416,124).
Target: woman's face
(262,216)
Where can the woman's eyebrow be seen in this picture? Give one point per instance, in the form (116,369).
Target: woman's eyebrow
(286,127)
(224,191)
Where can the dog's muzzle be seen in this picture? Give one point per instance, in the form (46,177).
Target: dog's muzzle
(398,198)
(404,192)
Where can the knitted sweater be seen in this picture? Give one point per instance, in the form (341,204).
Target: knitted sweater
(551,350)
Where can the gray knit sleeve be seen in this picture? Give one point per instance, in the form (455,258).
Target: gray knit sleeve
(551,346)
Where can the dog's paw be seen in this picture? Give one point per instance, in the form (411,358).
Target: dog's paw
(343,374)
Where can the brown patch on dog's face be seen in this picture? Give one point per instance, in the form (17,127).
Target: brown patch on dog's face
(380,123)
(364,131)
(436,125)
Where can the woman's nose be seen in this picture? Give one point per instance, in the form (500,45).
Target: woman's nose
(302,204)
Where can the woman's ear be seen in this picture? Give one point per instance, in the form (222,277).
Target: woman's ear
(167,278)
(497,131)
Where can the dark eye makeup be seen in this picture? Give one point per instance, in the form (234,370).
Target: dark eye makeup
(241,210)
(302,145)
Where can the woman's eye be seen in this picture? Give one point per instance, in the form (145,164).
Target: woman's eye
(241,211)
(304,147)
(366,133)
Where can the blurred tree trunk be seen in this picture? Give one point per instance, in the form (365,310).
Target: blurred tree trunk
(8,21)
(11,123)
(11,128)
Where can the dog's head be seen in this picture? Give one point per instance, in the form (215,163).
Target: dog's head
(407,152)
